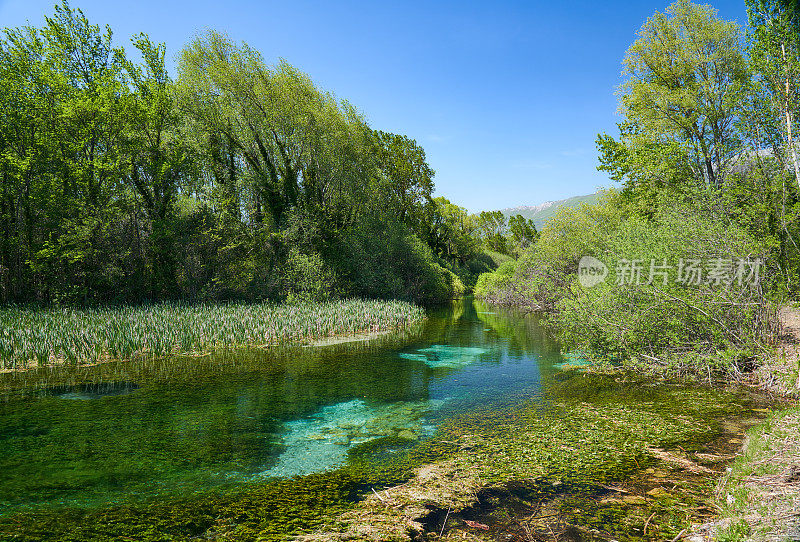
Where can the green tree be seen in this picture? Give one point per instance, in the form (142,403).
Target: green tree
(775,63)
(235,181)
(61,156)
(302,149)
(523,233)
(491,227)
(410,179)
(159,160)
(684,78)
(451,231)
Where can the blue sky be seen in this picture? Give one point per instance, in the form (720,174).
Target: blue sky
(506,97)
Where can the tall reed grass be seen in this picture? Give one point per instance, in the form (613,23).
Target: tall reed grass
(76,336)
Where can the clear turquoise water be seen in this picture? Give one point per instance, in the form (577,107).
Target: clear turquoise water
(186,426)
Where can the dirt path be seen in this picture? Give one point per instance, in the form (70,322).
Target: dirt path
(759,497)
(790,338)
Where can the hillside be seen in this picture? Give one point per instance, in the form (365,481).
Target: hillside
(542,212)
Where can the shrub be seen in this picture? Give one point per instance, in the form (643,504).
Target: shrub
(716,326)
(498,286)
(306,278)
(666,321)
(469,271)
(541,277)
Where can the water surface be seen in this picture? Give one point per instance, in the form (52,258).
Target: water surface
(128,432)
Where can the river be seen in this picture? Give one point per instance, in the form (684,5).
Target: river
(161,432)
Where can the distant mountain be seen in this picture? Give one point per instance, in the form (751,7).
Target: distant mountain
(542,212)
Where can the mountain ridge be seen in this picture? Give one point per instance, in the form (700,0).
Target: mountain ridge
(542,212)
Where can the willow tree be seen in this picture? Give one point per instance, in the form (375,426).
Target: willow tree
(406,176)
(301,150)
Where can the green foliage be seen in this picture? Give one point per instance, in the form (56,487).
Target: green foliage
(400,265)
(409,178)
(494,286)
(234,182)
(491,230)
(683,327)
(306,278)
(498,234)
(707,113)
(522,232)
(770,120)
(451,231)
(540,278)
(496,258)
(90,335)
(685,75)
(735,532)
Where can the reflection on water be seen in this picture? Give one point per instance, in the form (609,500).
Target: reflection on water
(89,391)
(188,425)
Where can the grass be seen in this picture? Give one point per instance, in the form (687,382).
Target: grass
(43,337)
(758,497)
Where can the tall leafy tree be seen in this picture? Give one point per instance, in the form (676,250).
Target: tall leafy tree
(303,150)
(159,160)
(684,79)
(775,63)
(62,160)
(523,232)
(409,178)
(491,227)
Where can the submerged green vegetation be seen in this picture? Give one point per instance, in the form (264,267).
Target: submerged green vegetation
(609,457)
(560,457)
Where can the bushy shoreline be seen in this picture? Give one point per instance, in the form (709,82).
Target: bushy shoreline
(40,337)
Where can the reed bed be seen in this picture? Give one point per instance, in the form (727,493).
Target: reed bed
(32,336)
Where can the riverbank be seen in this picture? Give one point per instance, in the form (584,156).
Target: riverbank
(34,337)
(759,496)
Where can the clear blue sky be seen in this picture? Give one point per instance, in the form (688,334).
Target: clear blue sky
(505,97)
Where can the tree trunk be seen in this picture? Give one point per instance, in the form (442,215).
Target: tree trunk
(789,138)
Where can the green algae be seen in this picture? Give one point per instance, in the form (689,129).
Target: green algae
(269,511)
(562,455)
